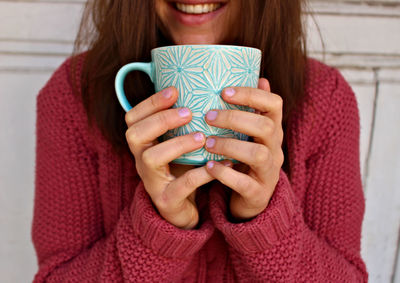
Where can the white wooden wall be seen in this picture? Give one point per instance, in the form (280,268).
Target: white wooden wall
(362,39)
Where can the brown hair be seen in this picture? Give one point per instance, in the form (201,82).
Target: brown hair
(114,35)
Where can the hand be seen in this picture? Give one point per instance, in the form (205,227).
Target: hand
(173,196)
(252,190)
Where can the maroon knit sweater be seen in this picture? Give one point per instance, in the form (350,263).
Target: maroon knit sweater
(94,222)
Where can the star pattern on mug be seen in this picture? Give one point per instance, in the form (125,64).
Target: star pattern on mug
(201,78)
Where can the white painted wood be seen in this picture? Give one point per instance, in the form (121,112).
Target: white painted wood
(35,47)
(17,142)
(361,38)
(353,8)
(365,94)
(29,62)
(369,2)
(59,21)
(39,21)
(355,76)
(382,218)
(360,61)
(390,75)
(356,34)
(396,275)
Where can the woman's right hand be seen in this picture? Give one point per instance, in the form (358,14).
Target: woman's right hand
(174,196)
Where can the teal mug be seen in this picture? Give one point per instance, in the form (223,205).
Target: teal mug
(200,73)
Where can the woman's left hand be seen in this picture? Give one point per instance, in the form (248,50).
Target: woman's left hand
(252,190)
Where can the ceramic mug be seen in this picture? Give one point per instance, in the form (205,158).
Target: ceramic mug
(200,73)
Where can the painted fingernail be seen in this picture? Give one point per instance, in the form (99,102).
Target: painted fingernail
(229,92)
(212,115)
(210,164)
(184,112)
(210,142)
(199,137)
(167,93)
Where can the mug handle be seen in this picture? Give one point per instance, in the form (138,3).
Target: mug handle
(120,78)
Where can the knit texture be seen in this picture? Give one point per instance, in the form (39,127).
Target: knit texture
(94,222)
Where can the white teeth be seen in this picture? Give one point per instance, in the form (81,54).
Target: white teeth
(197,9)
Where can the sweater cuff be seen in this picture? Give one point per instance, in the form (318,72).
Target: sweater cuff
(159,235)
(266,229)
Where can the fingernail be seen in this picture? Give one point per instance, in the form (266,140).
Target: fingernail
(212,115)
(199,137)
(210,164)
(167,93)
(229,92)
(184,112)
(210,142)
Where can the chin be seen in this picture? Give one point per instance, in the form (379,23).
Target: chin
(195,39)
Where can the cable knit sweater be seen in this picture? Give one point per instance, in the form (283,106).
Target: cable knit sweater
(94,222)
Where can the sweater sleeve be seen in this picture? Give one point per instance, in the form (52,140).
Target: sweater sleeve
(67,230)
(318,240)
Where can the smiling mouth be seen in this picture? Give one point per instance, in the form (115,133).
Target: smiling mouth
(197,9)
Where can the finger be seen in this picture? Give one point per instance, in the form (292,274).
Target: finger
(251,124)
(141,134)
(165,152)
(263,84)
(241,183)
(257,156)
(266,102)
(182,187)
(155,103)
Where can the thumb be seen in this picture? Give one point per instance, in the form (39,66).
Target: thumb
(263,84)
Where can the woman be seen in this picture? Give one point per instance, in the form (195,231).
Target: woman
(110,208)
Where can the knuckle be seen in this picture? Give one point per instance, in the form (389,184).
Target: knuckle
(131,135)
(230,116)
(280,158)
(280,136)
(227,143)
(190,180)
(252,98)
(278,102)
(154,102)
(261,155)
(265,125)
(243,184)
(248,93)
(252,193)
(148,159)
(180,144)
(139,168)
(129,118)
(162,120)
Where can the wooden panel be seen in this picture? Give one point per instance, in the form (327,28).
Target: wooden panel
(382,219)
(354,8)
(17,173)
(21,46)
(362,38)
(396,275)
(29,62)
(39,21)
(355,34)
(365,97)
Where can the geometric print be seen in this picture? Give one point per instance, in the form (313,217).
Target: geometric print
(200,73)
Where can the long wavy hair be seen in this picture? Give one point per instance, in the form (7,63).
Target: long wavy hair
(113,35)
